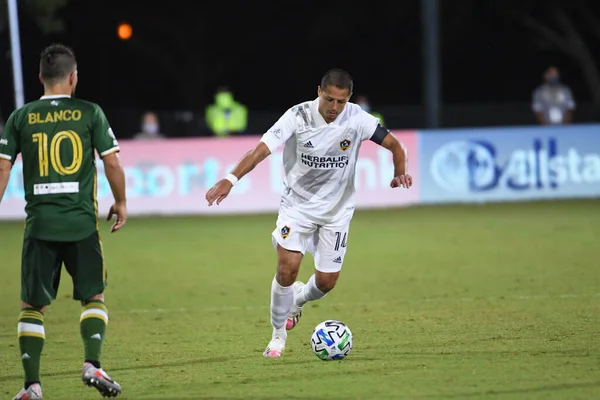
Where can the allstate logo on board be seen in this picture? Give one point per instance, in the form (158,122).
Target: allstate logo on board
(477,166)
(462,166)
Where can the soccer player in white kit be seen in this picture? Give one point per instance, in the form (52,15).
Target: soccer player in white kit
(322,139)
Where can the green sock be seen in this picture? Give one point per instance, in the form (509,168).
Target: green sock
(94,318)
(31,342)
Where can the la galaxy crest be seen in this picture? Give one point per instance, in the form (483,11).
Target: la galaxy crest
(345,144)
(285,232)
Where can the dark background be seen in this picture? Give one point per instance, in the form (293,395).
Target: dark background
(273,54)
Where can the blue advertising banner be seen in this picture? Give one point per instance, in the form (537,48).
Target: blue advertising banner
(503,164)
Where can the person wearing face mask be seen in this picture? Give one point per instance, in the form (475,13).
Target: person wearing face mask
(553,102)
(363,102)
(150,127)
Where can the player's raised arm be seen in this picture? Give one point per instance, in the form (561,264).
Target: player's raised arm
(372,130)
(270,141)
(116,178)
(5,167)
(246,164)
(400,158)
(107,146)
(9,148)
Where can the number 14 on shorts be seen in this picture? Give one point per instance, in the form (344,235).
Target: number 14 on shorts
(340,240)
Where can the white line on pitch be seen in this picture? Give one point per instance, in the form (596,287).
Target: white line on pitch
(326,304)
(365,304)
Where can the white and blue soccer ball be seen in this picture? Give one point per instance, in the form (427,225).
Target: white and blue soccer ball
(331,340)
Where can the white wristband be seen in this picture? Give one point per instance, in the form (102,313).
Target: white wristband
(232,178)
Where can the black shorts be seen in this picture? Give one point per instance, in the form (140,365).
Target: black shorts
(42,262)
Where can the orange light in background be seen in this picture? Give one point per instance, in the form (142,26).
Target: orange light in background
(124,31)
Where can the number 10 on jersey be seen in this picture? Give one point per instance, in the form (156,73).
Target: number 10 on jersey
(51,155)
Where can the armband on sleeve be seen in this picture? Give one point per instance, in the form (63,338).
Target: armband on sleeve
(379,134)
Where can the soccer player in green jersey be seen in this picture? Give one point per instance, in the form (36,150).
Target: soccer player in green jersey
(56,137)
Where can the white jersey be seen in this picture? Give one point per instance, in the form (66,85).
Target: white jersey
(319,160)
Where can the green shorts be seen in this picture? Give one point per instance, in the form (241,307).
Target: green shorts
(41,266)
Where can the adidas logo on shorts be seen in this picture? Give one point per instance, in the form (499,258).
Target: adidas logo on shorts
(338,260)
(308,145)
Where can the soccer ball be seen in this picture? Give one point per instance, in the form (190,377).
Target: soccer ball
(331,340)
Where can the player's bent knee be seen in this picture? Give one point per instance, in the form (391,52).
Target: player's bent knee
(287,273)
(288,265)
(41,309)
(94,297)
(326,281)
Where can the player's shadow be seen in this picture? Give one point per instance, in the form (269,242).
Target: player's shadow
(297,362)
(504,392)
(197,361)
(525,352)
(246,397)
(310,373)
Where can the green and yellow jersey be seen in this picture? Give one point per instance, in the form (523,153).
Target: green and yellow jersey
(56,137)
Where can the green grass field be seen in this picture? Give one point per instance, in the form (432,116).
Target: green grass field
(454,302)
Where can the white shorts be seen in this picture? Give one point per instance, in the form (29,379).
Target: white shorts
(327,243)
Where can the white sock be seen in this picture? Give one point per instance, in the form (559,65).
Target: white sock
(281,304)
(310,292)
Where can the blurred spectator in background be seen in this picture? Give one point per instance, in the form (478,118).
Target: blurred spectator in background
(363,102)
(150,127)
(226,116)
(553,101)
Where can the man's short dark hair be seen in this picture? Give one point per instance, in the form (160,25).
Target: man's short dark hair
(57,61)
(338,78)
